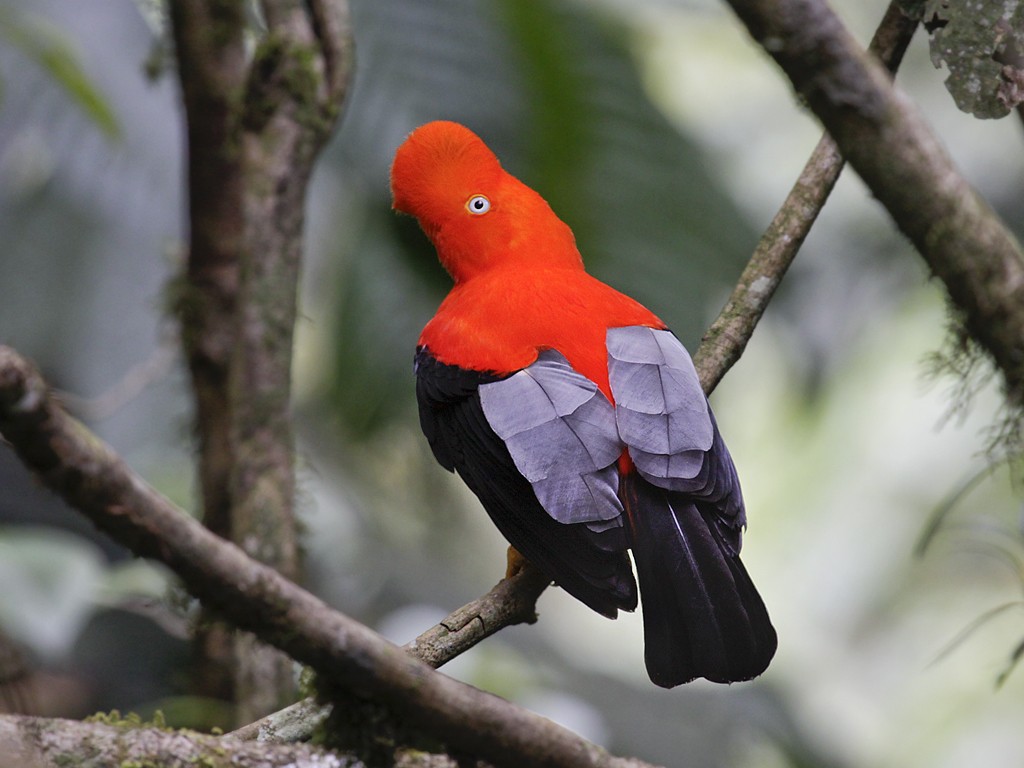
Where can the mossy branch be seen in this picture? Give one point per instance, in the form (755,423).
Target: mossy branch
(35,742)
(255,127)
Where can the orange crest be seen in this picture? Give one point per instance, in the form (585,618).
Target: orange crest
(478,216)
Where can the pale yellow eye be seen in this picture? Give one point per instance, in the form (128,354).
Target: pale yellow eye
(478,205)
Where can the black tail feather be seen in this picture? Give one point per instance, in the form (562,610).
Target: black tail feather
(703,617)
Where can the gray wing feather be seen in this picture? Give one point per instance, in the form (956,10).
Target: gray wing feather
(683,465)
(562,435)
(661,410)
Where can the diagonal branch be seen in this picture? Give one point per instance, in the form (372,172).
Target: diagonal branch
(725,340)
(88,475)
(888,143)
(512,601)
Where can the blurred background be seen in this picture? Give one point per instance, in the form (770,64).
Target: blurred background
(667,140)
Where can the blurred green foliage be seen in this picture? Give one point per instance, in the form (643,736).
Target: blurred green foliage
(44,45)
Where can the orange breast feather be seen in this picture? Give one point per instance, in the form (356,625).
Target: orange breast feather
(501,320)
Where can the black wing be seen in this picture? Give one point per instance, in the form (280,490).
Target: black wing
(588,561)
(703,616)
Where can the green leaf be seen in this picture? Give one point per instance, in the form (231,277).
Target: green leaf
(50,50)
(981,42)
(939,515)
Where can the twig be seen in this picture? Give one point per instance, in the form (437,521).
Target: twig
(727,337)
(133,383)
(296,722)
(511,601)
(88,475)
(885,139)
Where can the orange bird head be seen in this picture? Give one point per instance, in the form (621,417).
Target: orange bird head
(478,216)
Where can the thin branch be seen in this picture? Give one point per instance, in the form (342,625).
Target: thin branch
(727,337)
(91,477)
(133,383)
(296,722)
(885,139)
(510,601)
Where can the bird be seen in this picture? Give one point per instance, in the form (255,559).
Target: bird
(577,417)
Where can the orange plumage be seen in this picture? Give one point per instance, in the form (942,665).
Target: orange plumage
(519,279)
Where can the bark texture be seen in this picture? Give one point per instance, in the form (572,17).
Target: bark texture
(255,127)
(30,742)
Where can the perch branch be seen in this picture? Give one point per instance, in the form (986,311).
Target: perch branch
(883,136)
(70,460)
(510,601)
(727,337)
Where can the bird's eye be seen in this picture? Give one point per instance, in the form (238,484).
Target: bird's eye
(478,205)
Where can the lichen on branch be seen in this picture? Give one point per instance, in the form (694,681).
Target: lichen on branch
(981,43)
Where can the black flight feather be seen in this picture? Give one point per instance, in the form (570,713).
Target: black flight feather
(591,566)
